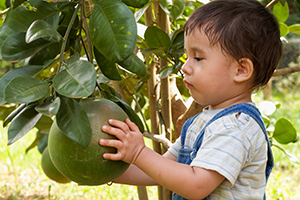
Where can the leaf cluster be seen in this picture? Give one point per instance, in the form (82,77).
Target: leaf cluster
(67,51)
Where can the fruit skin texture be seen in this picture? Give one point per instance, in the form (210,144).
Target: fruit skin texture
(50,170)
(86,166)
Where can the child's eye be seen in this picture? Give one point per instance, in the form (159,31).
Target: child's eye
(198,59)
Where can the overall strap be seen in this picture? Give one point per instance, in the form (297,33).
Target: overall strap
(185,127)
(248,109)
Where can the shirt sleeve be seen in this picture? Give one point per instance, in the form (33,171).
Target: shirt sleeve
(223,149)
(174,149)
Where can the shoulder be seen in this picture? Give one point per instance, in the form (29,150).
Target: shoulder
(237,125)
(230,144)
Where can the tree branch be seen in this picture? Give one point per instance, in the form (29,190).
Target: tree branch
(287,70)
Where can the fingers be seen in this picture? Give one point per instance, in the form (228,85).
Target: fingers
(127,126)
(111,156)
(119,124)
(132,126)
(116,129)
(130,140)
(111,143)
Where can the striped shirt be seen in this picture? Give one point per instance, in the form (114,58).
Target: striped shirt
(235,147)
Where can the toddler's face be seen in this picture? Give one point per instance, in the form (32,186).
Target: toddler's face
(208,71)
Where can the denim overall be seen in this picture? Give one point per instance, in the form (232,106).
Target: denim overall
(187,155)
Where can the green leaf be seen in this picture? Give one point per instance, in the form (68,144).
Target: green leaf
(281,12)
(113,29)
(13,114)
(295,28)
(134,65)
(25,90)
(166,71)
(110,90)
(41,29)
(45,54)
(73,121)
(77,80)
(129,111)
(22,123)
(284,29)
(266,120)
(282,2)
(5,110)
(108,68)
(15,3)
(30,70)
(15,48)
(156,38)
(33,144)
(20,18)
(44,124)
(173,8)
(284,132)
(49,108)
(42,142)
(136,3)
(177,41)
(140,12)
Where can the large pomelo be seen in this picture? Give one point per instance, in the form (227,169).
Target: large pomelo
(87,166)
(50,170)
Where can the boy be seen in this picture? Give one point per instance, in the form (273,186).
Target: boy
(232,48)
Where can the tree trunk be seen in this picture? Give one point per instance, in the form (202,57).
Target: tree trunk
(153,95)
(164,24)
(142,193)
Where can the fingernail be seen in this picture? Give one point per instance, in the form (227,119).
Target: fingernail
(110,120)
(101,141)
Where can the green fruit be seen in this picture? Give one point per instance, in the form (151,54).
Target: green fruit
(87,166)
(50,170)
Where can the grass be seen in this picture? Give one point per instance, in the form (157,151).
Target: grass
(21,176)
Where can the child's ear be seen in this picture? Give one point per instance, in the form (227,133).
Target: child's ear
(244,70)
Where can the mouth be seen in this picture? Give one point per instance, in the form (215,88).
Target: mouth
(187,84)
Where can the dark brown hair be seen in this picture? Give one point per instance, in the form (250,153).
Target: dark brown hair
(244,29)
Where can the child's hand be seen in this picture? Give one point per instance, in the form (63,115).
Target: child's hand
(130,143)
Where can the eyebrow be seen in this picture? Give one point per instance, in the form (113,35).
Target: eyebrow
(197,49)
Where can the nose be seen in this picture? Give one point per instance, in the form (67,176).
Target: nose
(185,67)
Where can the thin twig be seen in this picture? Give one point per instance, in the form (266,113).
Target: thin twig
(271,4)
(87,32)
(3,12)
(65,39)
(158,138)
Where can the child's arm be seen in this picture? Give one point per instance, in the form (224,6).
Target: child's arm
(189,182)
(135,176)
